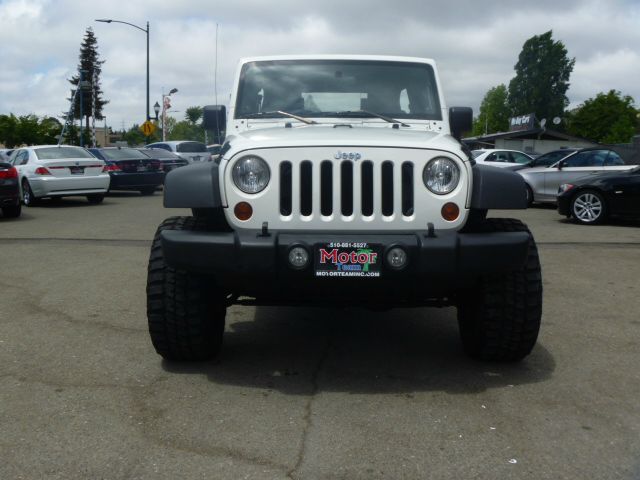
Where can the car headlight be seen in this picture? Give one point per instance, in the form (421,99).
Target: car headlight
(441,175)
(251,174)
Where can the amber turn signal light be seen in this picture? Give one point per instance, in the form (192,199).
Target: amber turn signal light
(243,211)
(450,211)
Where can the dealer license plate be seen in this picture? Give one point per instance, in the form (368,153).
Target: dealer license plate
(348,259)
(76,170)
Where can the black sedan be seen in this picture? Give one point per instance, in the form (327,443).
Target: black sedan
(591,200)
(168,160)
(9,191)
(130,169)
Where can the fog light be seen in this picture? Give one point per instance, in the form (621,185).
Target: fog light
(243,211)
(298,258)
(396,258)
(450,211)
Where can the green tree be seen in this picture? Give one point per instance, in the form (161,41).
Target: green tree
(92,65)
(494,112)
(542,78)
(134,136)
(8,130)
(185,130)
(607,118)
(28,130)
(193,114)
(49,130)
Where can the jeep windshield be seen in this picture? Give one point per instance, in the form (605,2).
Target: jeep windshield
(338,88)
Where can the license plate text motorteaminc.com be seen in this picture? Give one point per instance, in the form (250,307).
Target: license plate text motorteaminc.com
(347,259)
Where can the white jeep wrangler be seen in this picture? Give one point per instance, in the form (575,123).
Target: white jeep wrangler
(342,181)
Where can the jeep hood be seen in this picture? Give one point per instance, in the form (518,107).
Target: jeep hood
(341,136)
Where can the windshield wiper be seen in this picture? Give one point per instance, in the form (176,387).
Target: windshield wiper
(280,112)
(373,114)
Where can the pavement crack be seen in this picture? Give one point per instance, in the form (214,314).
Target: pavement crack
(308,409)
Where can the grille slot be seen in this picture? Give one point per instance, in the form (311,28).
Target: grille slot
(306,188)
(387,188)
(326,188)
(367,188)
(407,189)
(285,188)
(346,188)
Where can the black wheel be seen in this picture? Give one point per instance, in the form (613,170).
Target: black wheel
(28,198)
(12,211)
(500,319)
(95,198)
(529,196)
(148,190)
(588,207)
(186,312)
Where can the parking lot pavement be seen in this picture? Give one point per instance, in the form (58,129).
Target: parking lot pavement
(306,393)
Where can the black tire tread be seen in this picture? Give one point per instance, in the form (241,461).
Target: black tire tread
(185,314)
(12,211)
(95,198)
(501,321)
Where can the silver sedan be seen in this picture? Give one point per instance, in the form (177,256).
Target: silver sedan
(543,182)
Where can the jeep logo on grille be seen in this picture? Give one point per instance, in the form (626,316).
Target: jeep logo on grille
(347,155)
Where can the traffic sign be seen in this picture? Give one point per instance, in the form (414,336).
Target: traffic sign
(148,128)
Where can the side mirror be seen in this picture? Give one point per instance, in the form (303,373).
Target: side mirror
(460,120)
(560,164)
(214,118)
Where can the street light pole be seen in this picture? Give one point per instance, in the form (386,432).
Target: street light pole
(146,31)
(148,117)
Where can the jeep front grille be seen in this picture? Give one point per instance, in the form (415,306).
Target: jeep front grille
(345,188)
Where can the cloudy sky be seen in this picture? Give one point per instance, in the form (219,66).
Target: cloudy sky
(476,44)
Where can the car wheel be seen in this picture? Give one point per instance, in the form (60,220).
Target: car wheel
(95,198)
(588,207)
(529,196)
(28,198)
(12,211)
(186,312)
(148,191)
(499,319)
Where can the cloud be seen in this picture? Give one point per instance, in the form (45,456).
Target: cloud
(475,44)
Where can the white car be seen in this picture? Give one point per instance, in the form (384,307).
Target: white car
(191,151)
(500,158)
(59,171)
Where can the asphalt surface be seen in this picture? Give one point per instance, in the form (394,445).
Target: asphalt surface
(306,393)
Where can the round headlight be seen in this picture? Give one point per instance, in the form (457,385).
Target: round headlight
(251,174)
(441,175)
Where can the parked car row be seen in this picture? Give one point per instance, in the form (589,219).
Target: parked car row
(589,185)
(55,171)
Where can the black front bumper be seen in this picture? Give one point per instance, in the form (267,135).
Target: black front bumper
(248,263)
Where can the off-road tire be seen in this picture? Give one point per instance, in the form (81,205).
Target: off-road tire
(499,319)
(12,211)
(95,198)
(186,312)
